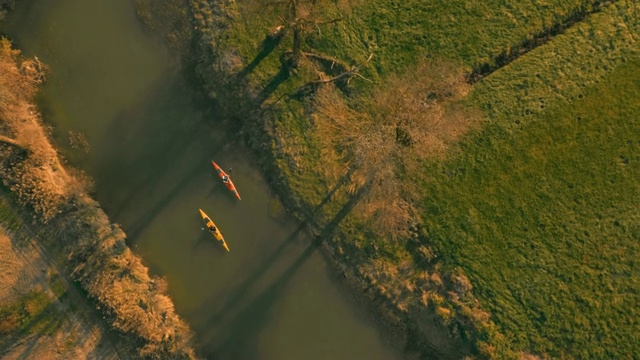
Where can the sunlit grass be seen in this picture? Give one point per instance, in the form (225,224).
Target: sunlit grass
(30,314)
(400,32)
(544,220)
(539,207)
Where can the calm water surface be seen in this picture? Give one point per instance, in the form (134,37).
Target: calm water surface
(152,139)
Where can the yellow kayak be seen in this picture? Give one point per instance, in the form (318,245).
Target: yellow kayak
(213,229)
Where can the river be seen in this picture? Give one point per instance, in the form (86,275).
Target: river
(152,138)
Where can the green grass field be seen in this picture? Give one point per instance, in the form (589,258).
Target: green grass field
(399,32)
(545,222)
(539,206)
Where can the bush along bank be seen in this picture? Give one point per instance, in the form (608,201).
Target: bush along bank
(72,223)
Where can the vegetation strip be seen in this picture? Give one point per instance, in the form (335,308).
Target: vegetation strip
(98,258)
(67,313)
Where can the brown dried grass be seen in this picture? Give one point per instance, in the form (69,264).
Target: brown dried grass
(409,118)
(30,167)
(33,171)
(23,269)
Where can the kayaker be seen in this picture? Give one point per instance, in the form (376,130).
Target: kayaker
(212,228)
(225,179)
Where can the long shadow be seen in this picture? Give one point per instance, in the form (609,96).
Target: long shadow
(235,299)
(74,299)
(267,47)
(545,35)
(27,352)
(252,319)
(218,188)
(104,350)
(242,290)
(276,81)
(48,318)
(53,324)
(134,231)
(158,132)
(202,239)
(343,180)
(166,125)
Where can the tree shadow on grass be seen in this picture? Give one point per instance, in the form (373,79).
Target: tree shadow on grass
(46,321)
(241,331)
(275,82)
(267,46)
(104,348)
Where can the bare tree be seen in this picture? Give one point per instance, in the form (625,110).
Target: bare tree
(301,18)
(410,118)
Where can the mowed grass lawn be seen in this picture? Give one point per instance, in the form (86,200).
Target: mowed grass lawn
(544,218)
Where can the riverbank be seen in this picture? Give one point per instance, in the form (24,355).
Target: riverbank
(238,101)
(42,315)
(327,214)
(441,270)
(150,153)
(492,231)
(73,227)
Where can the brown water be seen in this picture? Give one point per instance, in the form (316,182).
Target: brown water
(152,139)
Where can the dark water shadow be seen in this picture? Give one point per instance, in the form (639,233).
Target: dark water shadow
(219,190)
(242,290)
(152,138)
(25,12)
(234,299)
(201,239)
(240,337)
(166,128)
(135,229)
(206,239)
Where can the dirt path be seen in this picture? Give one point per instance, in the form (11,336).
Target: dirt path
(70,329)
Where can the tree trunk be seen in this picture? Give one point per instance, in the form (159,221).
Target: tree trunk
(296,27)
(297,46)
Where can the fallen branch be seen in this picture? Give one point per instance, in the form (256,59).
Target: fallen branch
(347,74)
(327,61)
(12,142)
(318,23)
(302,89)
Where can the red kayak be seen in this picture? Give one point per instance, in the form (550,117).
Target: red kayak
(226,180)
